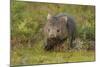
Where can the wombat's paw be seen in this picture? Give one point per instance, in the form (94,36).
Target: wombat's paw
(48,48)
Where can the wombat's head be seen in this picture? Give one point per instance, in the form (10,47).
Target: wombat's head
(55,27)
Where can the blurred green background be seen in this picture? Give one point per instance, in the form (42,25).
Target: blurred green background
(27,21)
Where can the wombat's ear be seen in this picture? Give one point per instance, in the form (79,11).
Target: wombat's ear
(49,16)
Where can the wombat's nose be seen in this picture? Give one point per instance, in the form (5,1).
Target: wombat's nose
(52,35)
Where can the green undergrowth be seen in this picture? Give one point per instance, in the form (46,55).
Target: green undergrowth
(36,55)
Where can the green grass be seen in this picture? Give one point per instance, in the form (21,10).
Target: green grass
(36,55)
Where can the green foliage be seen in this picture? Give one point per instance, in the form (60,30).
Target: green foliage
(27,21)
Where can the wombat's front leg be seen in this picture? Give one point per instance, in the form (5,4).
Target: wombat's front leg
(48,46)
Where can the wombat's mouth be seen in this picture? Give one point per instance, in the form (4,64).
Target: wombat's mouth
(55,40)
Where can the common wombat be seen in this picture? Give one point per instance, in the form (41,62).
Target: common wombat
(58,29)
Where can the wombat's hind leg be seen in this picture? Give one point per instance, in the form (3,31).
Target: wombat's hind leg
(72,45)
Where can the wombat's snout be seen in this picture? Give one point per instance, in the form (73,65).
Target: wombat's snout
(52,35)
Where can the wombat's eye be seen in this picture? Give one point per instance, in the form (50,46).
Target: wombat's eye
(58,30)
(48,30)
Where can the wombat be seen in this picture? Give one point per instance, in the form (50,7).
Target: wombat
(58,29)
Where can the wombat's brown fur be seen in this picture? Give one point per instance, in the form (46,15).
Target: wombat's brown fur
(57,30)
